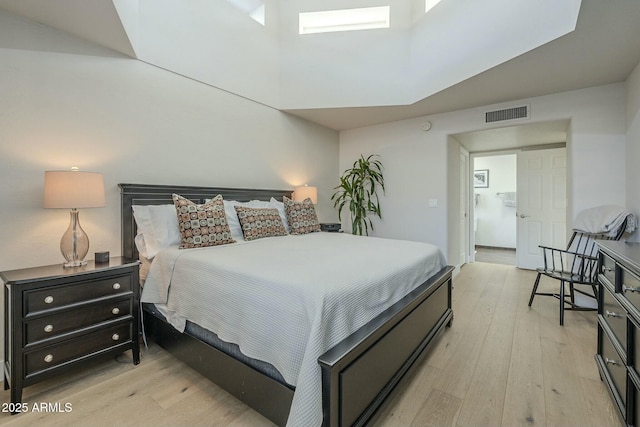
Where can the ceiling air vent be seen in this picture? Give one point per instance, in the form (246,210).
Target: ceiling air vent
(507,114)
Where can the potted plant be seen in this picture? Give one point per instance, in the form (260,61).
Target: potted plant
(358,190)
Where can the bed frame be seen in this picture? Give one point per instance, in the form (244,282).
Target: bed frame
(357,374)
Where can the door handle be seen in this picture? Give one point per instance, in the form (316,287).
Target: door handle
(522,215)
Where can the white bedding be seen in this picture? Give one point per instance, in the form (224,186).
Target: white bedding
(286,300)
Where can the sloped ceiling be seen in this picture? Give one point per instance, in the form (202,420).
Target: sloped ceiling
(93,20)
(604,48)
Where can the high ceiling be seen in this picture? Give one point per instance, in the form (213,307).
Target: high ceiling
(604,48)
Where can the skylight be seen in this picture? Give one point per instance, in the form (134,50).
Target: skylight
(428,4)
(344,20)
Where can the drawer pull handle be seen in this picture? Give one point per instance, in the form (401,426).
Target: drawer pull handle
(115,310)
(115,337)
(610,361)
(606,269)
(612,314)
(48,299)
(626,288)
(48,358)
(48,328)
(116,286)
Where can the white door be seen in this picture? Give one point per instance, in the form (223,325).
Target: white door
(542,202)
(464,206)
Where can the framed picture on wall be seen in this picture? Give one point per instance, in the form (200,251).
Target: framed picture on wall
(481,178)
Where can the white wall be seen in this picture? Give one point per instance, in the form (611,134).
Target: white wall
(458,205)
(496,223)
(69,103)
(596,149)
(416,161)
(415,171)
(633,145)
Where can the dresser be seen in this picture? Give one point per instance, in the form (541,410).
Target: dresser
(56,318)
(618,356)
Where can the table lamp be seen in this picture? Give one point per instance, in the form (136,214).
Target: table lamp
(73,190)
(301,193)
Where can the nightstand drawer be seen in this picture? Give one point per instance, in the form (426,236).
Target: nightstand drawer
(73,320)
(630,286)
(68,351)
(60,296)
(615,316)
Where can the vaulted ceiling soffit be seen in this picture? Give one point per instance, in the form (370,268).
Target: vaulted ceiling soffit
(222,43)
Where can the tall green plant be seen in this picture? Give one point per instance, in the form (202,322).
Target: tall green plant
(358,190)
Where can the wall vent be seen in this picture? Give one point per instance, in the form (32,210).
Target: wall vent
(507,114)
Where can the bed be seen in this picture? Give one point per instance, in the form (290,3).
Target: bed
(354,374)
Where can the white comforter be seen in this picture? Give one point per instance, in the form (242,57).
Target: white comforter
(286,300)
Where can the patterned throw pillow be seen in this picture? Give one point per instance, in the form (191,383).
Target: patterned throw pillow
(260,222)
(202,225)
(301,216)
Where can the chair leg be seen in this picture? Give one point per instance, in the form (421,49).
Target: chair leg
(572,295)
(561,302)
(535,289)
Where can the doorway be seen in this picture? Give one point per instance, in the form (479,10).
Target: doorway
(494,200)
(498,142)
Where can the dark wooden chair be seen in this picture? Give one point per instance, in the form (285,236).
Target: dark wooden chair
(575,265)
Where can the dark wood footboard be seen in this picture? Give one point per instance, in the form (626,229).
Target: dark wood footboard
(360,372)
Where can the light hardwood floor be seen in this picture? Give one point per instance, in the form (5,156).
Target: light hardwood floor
(496,255)
(500,363)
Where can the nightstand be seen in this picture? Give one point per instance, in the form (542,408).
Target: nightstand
(330,227)
(56,318)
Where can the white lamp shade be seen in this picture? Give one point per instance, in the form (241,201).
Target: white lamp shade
(301,193)
(73,189)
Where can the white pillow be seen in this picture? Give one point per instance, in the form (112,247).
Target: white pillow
(140,244)
(232,219)
(158,225)
(232,215)
(259,204)
(273,203)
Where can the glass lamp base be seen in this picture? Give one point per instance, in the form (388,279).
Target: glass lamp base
(72,264)
(74,244)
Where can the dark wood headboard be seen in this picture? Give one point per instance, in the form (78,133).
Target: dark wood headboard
(145,194)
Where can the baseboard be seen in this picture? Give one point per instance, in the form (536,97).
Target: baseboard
(495,247)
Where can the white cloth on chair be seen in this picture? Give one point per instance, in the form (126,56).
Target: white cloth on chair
(605,219)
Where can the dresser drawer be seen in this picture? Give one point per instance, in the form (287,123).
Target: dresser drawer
(633,355)
(633,414)
(608,268)
(630,287)
(60,296)
(70,350)
(615,316)
(636,407)
(615,366)
(73,320)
